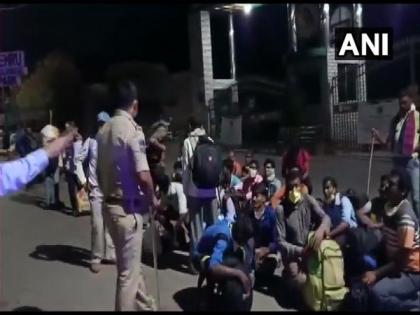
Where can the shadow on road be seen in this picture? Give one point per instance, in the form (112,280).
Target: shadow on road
(68,254)
(27,199)
(27,309)
(188,299)
(168,260)
(278,289)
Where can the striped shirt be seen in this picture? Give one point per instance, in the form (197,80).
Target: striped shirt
(401,231)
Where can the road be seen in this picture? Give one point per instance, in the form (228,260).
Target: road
(44,254)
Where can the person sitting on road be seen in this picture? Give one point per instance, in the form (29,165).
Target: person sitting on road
(228,169)
(249,156)
(396,285)
(280,194)
(297,215)
(264,218)
(224,257)
(340,210)
(174,218)
(271,181)
(253,179)
(297,156)
(237,168)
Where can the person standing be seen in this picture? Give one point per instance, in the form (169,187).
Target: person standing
(52,172)
(202,203)
(71,169)
(127,187)
(101,242)
(403,140)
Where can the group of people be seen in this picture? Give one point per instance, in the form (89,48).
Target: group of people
(241,224)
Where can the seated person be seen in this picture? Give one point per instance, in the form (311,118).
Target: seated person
(297,156)
(396,285)
(264,222)
(280,194)
(219,258)
(228,169)
(245,169)
(174,218)
(339,209)
(227,198)
(237,168)
(271,181)
(253,179)
(296,218)
(369,213)
(364,243)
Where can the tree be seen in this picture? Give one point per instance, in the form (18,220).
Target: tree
(153,82)
(55,84)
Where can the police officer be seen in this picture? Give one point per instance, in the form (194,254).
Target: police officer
(15,175)
(125,181)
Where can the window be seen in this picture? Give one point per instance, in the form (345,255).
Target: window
(347,77)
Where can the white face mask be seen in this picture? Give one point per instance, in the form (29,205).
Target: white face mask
(252,173)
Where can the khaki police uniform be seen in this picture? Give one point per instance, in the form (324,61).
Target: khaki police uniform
(122,154)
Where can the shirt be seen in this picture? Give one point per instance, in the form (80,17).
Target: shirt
(15,175)
(341,210)
(235,182)
(273,186)
(401,231)
(121,155)
(176,198)
(265,230)
(294,222)
(90,150)
(215,241)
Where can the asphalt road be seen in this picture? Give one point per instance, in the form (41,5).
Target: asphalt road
(44,254)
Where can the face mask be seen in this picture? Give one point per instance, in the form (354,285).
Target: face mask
(252,173)
(295,196)
(270,174)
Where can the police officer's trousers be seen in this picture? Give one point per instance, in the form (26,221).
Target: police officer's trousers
(127,234)
(102,245)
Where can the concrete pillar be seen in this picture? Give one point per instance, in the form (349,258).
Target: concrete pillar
(201,59)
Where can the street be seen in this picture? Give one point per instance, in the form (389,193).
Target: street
(44,254)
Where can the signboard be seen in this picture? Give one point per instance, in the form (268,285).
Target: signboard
(375,115)
(12,68)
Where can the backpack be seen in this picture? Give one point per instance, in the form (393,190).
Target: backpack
(206,164)
(325,288)
(357,299)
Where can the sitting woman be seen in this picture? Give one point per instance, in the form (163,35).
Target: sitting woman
(339,209)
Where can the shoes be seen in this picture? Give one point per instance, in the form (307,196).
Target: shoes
(95,267)
(109,261)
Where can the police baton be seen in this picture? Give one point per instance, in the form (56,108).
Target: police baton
(155,266)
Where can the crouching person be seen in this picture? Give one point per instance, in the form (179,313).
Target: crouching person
(264,222)
(224,257)
(296,216)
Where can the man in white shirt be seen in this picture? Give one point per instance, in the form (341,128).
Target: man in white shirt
(102,246)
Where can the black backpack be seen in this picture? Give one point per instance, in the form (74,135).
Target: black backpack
(206,164)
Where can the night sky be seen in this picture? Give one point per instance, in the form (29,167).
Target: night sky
(97,35)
